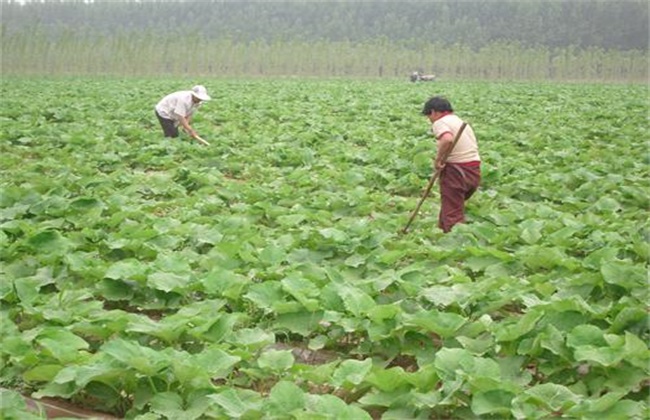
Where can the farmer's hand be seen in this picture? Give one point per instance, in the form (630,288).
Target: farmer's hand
(190,132)
(437,164)
(187,127)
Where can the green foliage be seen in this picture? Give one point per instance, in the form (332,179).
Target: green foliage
(491,40)
(560,23)
(265,276)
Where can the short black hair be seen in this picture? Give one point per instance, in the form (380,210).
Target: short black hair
(438,104)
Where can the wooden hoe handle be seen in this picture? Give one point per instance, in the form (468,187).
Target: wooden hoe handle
(200,140)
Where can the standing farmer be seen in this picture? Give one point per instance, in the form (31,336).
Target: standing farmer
(460,175)
(177,109)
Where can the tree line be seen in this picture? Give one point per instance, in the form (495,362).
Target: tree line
(557,40)
(621,24)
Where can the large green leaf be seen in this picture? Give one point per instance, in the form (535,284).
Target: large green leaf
(49,241)
(303,322)
(236,403)
(303,290)
(518,327)
(28,288)
(171,405)
(625,274)
(168,282)
(445,324)
(276,360)
(14,406)
(252,338)
(496,402)
(63,345)
(285,398)
(452,362)
(351,372)
(129,269)
(387,379)
(144,359)
(551,396)
(224,282)
(265,295)
(272,255)
(332,407)
(355,300)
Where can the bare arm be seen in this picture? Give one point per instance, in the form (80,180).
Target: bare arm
(445,143)
(185,123)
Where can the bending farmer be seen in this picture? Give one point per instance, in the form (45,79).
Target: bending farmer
(177,109)
(460,175)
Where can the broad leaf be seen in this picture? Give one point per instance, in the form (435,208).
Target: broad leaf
(284,398)
(351,372)
(276,360)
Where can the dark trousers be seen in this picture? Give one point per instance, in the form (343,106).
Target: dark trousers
(168,126)
(457,184)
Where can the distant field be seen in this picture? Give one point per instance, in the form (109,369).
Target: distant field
(264,276)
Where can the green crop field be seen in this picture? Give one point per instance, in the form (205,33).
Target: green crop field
(264,276)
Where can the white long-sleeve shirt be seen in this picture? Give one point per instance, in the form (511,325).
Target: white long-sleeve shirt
(176,105)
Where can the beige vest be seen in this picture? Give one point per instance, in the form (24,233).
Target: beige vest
(466,150)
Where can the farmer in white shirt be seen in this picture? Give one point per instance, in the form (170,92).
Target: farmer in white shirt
(177,109)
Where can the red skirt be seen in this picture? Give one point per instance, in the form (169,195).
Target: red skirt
(457,184)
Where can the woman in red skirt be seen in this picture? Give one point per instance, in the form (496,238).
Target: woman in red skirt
(461,174)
